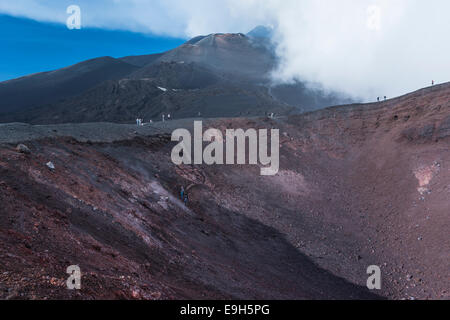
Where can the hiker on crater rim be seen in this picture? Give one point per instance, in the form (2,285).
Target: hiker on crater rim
(182,193)
(186,199)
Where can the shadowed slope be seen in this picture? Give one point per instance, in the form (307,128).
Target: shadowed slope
(48,87)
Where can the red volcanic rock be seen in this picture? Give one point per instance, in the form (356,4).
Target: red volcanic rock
(358,186)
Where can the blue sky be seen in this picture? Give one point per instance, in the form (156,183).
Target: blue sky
(29,46)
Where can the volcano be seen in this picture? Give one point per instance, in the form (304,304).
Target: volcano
(355,185)
(218,75)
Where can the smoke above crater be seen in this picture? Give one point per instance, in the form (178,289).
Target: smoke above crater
(366,48)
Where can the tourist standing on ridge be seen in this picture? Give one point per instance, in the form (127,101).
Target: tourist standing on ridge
(182,193)
(186,199)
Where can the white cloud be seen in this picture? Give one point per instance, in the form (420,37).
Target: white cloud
(367,48)
(330,42)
